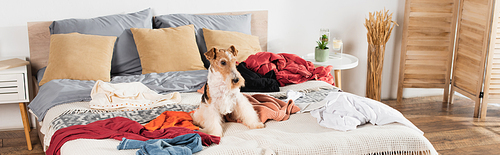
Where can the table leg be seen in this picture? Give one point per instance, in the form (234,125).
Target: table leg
(26,124)
(338,80)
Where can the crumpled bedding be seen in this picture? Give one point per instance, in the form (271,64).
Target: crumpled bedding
(128,97)
(254,82)
(270,108)
(180,145)
(78,113)
(170,119)
(289,68)
(83,117)
(118,128)
(345,111)
(300,134)
(61,91)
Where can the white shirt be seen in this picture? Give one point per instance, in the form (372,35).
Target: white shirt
(344,111)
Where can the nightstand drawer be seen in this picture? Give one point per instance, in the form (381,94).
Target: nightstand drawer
(12,87)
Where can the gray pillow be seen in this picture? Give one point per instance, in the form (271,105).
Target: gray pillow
(125,60)
(237,23)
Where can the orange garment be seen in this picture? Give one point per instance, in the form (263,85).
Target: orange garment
(171,119)
(268,107)
(201,90)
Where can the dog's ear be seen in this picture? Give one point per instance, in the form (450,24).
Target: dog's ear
(233,50)
(211,53)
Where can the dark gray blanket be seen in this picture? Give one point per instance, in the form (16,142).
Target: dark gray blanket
(62,91)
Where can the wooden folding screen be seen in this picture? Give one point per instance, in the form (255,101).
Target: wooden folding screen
(492,80)
(472,43)
(427,45)
(469,49)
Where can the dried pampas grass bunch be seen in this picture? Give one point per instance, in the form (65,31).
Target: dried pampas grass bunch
(379,26)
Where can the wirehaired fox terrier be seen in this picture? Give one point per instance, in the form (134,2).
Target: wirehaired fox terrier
(222,94)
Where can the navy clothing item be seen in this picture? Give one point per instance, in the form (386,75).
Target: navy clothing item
(181,145)
(254,82)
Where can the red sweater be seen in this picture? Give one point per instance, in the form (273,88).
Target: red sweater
(117,128)
(289,68)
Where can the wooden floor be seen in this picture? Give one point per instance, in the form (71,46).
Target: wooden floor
(450,128)
(14,142)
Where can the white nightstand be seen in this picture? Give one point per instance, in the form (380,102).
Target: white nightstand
(14,89)
(346,62)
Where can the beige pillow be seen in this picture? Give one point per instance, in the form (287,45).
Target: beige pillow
(167,49)
(244,43)
(79,57)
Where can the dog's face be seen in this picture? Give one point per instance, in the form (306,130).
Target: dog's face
(224,62)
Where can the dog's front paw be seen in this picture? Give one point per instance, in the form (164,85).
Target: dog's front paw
(256,125)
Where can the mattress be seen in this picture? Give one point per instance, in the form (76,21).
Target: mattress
(300,134)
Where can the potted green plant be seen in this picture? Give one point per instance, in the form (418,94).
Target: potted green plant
(321,51)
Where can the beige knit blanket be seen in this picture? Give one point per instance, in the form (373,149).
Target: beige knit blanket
(128,97)
(300,135)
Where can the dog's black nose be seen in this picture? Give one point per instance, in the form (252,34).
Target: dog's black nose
(236,80)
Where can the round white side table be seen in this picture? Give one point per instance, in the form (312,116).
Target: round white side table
(346,62)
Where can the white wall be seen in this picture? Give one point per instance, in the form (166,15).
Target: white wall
(293,28)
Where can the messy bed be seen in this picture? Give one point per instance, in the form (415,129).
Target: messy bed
(126,84)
